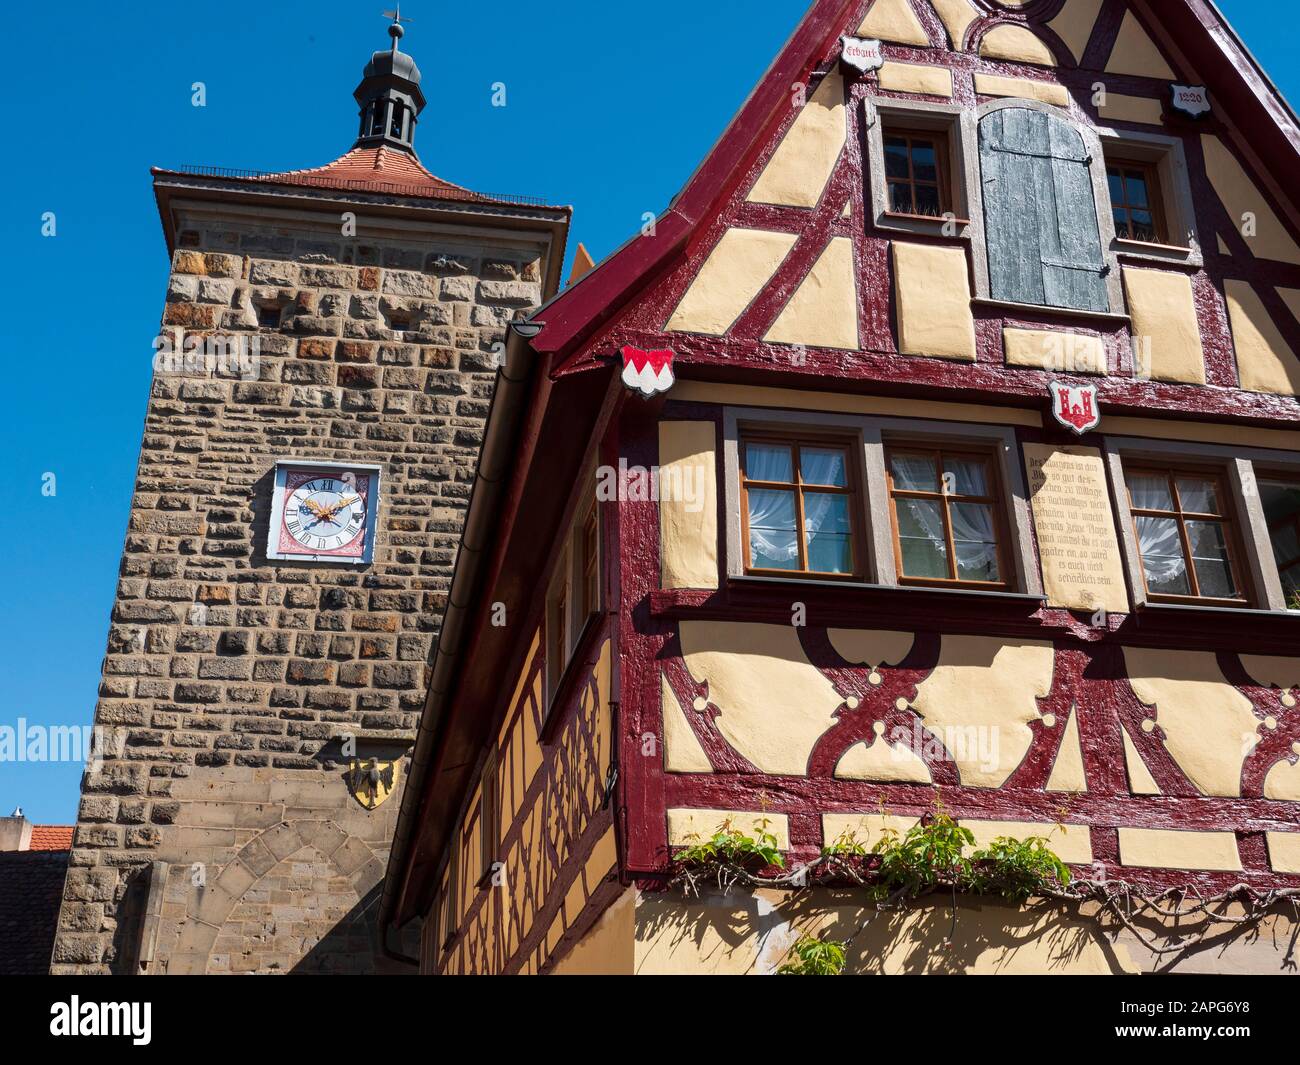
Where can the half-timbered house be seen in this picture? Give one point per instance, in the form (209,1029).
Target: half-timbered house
(939,443)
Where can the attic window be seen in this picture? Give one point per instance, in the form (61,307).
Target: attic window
(917,172)
(1135,201)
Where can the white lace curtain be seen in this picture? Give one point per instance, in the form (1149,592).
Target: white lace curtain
(772,533)
(1158,538)
(973,530)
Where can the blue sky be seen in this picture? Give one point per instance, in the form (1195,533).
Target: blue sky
(609,108)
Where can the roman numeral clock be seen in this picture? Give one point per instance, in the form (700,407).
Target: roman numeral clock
(323,512)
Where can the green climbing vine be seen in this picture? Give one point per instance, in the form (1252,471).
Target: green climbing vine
(939,855)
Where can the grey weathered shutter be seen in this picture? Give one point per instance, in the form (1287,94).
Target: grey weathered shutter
(1040,216)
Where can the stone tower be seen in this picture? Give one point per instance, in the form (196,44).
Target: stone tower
(259,695)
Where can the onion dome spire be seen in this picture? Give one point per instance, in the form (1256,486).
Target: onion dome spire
(389,95)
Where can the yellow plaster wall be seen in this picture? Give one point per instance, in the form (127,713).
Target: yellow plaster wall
(893,20)
(1136,53)
(1143,109)
(1209,726)
(798,171)
(1016,44)
(823,312)
(1164,314)
(1047,92)
(1075,23)
(733,274)
(866,828)
(682,750)
(932,297)
(1061,351)
(1283,780)
(916,78)
(609,948)
(1265,361)
(879,760)
(844,403)
(871,647)
(774,703)
(1242,197)
(1156,848)
(535,868)
(688,528)
(1070,843)
(1284,851)
(1140,780)
(686,827)
(988,684)
(1067,771)
(956,16)
(744,934)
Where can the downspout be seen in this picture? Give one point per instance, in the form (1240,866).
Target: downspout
(495,462)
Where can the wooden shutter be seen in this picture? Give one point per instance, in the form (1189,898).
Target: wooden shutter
(1040,215)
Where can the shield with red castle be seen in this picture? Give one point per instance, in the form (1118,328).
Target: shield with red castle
(1075,406)
(648,372)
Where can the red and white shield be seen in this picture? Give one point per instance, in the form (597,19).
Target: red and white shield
(648,372)
(1075,406)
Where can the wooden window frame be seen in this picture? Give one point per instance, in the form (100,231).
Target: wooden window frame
(1155,199)
(1229,519)
(576,593)
(451,900)
(489,816)
(942,158)
(855,491)
(997,502)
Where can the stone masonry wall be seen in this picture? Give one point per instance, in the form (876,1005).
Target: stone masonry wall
(229,679)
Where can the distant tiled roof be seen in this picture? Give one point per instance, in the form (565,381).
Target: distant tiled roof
(51,838)
(31,885)
(372,169)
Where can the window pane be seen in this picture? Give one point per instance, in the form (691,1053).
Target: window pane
(1116,182)
(921,538)
(896,157)
(1198,495)
(1143,227)
(1150,492)
(927,201)
(900,197)
(769,462)
(1162,556)
(924,165)
(1137,188)
(914,473)
(1121,221)
(1210,555)
(1280,499)
(830,537)
(1286,544)
(974,538)
(773,538)
(822,465)
(966,477)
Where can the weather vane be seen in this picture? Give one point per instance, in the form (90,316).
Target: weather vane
(396,16)
(395,31)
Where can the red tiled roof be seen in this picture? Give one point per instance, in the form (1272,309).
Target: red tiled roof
(363,166)
(51,838)
(372,169)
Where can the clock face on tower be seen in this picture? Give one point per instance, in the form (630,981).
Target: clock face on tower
(323,512)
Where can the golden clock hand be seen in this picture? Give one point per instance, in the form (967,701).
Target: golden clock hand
(330,512)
